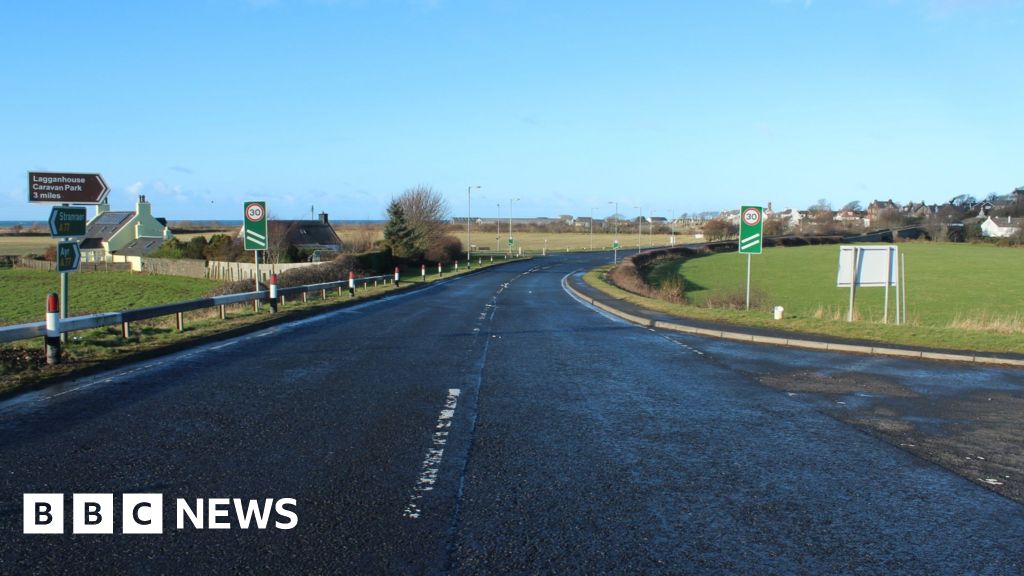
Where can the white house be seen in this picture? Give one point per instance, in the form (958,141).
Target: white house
(996,227)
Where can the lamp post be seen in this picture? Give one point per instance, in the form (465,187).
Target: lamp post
(497,228)
(615,242)
(469,225)
(510,241)
(591,229)
(639,228)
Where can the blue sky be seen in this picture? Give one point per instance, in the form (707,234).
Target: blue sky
(673,106)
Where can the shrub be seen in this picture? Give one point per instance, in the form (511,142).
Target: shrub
(446,250)
(332,271)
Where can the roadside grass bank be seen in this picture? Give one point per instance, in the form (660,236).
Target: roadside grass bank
(730,311)
(24,292)
(23,364)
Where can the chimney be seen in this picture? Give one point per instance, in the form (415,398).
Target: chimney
(102,207)
(142,207)
(323,218)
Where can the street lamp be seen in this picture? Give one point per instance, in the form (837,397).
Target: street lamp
(591,229)
(510,241)
(639,228)
(615,242)
(497,228)
(469,225)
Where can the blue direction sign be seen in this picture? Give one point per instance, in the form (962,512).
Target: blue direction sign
(67,221)
(69,256)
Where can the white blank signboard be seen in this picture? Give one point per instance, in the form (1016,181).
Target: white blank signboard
(874,263)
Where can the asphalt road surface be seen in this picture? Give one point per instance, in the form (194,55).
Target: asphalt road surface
(493,424)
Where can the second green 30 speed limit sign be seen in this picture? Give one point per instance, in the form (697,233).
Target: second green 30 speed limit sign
(751,225)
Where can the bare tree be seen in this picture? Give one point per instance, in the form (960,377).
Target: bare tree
(425,212)
(277,240)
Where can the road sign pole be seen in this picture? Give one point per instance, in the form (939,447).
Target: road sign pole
(256,302)
(853,285)
(748,282)
(63,303)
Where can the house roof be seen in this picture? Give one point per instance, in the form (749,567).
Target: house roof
(1005,222)
(105,225)
(140,246)
(303,232)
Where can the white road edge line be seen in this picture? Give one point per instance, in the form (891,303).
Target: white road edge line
(566,289)
(432,461)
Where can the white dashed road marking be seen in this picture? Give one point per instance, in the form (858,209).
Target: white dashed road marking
(432,462)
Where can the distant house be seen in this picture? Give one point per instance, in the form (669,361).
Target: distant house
(305,235)
(110,232)
(878,206)
(791,217)
(996,227)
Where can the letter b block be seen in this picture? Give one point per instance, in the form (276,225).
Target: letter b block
(93,514)
(43,514)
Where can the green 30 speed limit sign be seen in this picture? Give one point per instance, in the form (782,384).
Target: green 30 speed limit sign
(751,224)
(255,226)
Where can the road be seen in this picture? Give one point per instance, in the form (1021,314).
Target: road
(494,424)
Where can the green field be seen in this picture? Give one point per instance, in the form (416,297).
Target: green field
(946,283)
(963,296)
(24,292)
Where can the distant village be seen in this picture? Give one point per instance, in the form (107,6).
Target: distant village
(129,235)
(962,218)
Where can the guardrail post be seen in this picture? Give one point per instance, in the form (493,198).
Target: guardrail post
(273,293)
(223,312)
(305,296)
(52,338)
(323,293)
(181,321)
(126,331)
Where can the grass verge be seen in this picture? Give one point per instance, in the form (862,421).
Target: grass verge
(912,334)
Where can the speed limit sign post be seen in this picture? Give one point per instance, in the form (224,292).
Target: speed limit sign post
(254,235)
(751,226)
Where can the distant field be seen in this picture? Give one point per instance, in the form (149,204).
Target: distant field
(960,296)
(22,245)
(25,292)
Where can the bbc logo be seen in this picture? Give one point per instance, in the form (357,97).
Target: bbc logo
(144,513)
(93,514)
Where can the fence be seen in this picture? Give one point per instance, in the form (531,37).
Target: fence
(83,267)
(232,271)
(126,317)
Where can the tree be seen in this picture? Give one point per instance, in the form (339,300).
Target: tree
(425,212)
(719,229)
(279,249)
(398,236)
(853,206)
